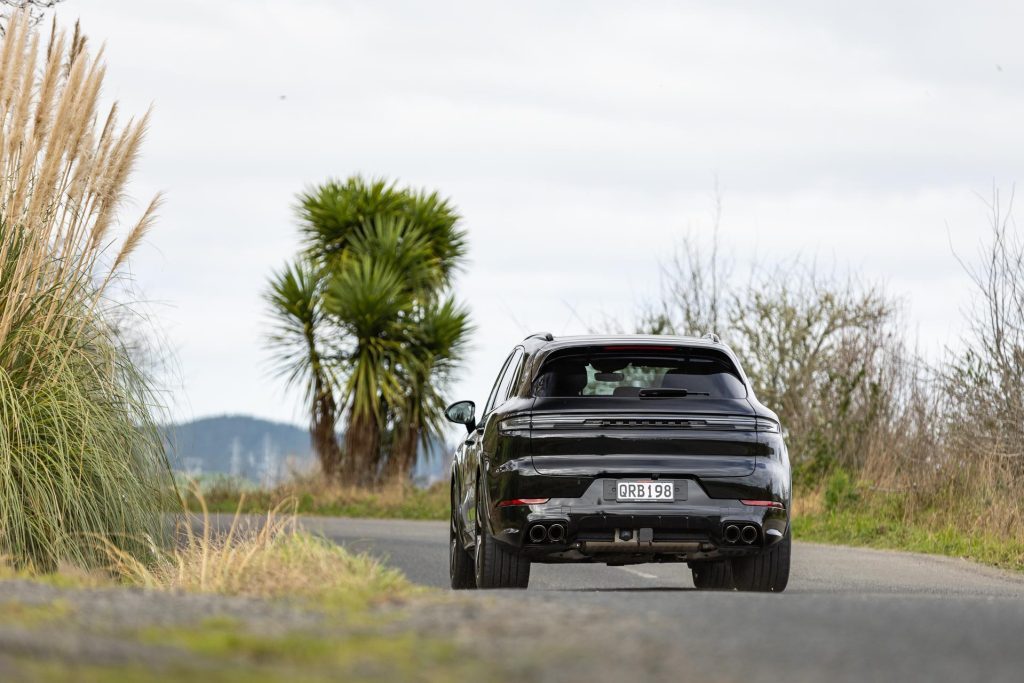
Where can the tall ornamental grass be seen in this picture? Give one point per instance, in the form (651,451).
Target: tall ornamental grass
(81,462)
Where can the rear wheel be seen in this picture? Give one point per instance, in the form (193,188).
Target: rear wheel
(715,575)
(460,562)
(496,565)
(767,572)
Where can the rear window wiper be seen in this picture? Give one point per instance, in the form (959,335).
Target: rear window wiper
(669,393)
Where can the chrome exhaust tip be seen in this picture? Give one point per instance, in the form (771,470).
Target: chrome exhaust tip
(749,534)
(732,533)
(556,533)
(538,533)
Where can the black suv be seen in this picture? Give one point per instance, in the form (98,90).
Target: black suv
(621,450)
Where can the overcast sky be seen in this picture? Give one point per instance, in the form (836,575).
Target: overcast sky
(579,140)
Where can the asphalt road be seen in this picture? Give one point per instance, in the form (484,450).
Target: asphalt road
(848,615)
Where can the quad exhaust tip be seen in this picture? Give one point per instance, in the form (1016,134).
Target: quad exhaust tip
(539,533)
(736,533)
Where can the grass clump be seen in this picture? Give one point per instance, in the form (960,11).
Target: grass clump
(312,495)
(269,558)
(851,513)
(80,454)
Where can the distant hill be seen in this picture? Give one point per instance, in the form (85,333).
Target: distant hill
(239,445)
(262,451)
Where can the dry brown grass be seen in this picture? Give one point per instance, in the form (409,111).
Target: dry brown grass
(808,503)
(268,558)
(961,503)
(313,494)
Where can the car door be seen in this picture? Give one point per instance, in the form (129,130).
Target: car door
(475,455)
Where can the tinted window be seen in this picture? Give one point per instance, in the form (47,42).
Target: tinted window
(624,374)
(497,384)
(509,372)
(508,379)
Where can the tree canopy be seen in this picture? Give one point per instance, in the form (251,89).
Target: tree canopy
(366,325)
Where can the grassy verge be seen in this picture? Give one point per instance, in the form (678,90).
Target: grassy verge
(868,528)
(845,514)
(338,636)
(312,497)
(226,650)
(346,615)
(269,559)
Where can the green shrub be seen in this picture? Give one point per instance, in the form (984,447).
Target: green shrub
(840,491)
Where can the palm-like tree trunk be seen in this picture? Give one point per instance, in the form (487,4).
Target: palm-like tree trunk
(403,455)
(362,448)
(321,430)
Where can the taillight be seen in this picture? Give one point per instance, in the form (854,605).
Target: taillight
(522,501)
(514,423)
(769,426)
(764,504)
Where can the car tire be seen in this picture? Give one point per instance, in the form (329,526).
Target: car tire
(460,563)
(767,572)
(497,566)
(714,575)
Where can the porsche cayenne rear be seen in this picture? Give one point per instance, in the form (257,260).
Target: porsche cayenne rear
(621,450)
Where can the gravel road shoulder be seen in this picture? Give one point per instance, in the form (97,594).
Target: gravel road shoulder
(850,614)
(50,633)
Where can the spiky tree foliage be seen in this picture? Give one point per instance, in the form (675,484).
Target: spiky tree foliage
(438,342)
(81,459)
(369,300)
(381,298)
(386,256)
(295,300)
(332,213)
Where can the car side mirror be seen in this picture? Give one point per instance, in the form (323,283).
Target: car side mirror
(463,413)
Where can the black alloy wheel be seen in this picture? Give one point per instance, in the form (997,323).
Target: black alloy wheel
(497,566)
(767,572)
(460,563)
(713,575)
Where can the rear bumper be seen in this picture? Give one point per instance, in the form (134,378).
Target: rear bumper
(598,528)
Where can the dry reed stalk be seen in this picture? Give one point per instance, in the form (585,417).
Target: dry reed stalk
(60,182)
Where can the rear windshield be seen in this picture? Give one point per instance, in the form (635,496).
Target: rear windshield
(625,374)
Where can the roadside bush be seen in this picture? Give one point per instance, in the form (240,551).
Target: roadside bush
(80,455)
(840,491)
(983,383)
(887,449)
(826,354)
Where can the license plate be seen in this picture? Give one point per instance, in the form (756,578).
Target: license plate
(644,491)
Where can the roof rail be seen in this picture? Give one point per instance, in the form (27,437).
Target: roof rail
(711,336)
(546,336)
